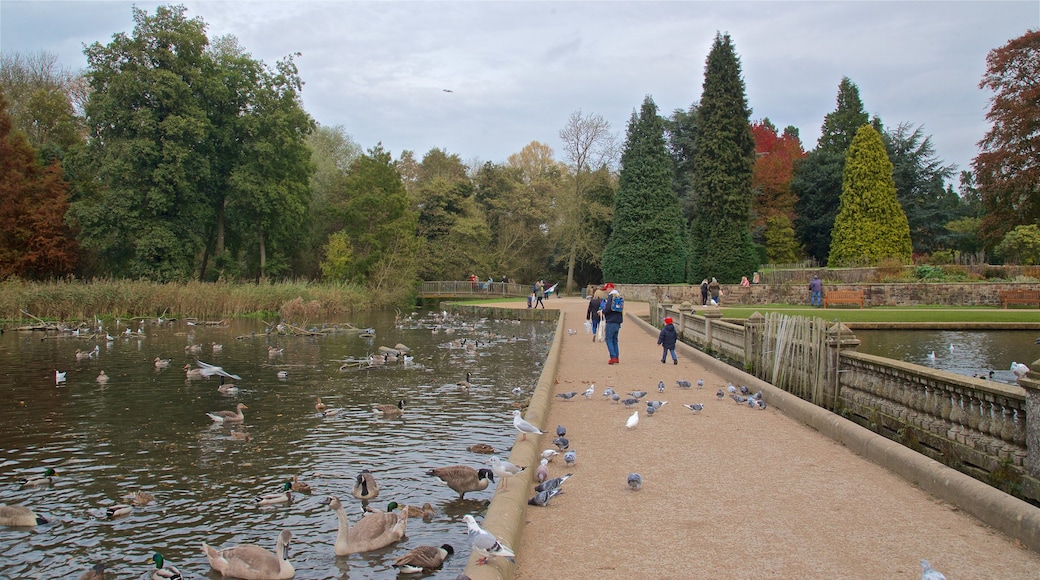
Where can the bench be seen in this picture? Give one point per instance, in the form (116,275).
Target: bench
(843,297)
(1019,297)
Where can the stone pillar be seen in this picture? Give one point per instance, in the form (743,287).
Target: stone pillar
(753,329)
(839,338)
(1031,384)
(710,315)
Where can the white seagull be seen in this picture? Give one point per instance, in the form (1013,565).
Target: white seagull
(504,469)
(525,427)
(208,370)
(633,420)
(1019,369)
(484,542)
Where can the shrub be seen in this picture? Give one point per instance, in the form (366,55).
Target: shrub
(941,257)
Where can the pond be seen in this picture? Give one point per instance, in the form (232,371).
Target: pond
(966,352)
(147,429)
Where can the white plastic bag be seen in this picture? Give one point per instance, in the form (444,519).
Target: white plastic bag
(588,327)
(601,331)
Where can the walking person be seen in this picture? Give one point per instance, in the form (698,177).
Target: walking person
(704,292)
(613,317)
(539,294)
(815,291)
(715,290)
(592,312)
(667,339)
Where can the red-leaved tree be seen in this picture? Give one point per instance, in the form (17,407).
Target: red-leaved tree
(774,167)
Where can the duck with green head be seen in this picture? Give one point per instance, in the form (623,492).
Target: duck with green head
(45,479)
(164,571)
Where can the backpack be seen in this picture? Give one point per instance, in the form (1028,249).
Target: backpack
(617,303)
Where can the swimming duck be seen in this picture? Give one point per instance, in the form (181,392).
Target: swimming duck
(229,416)
(481,448)
(96,572)
(318,405)
(240,436)
(425,512)
(423,559)
(373,531)
(102,377)
(272,351)
(227,388)
(192,373)
(161,363)
(365,486)
(463,478)
(464,384)
(119,510)
(251,562)
(16,515)
(301,486)
(164,571)
(140,498)
(45,479)
(284,496)
(390,410)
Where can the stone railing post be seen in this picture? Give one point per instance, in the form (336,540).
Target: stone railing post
(839,338)
(710,315)
(1031,384)
(753,329)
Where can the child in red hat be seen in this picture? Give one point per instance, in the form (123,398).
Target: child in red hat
(667,340)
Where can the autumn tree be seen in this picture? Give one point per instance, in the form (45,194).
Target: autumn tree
(723,163)
(647,242)
(1007,168)
(817,181)
(774,202)
(871,225)
(34,240)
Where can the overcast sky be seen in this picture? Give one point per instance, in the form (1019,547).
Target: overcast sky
(517,70)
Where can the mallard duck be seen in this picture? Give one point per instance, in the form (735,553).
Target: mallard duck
(301,486)
(464,384)
(164,571)
(141,498)
(365,486)
(96,572)
(252,562)
(318,405)
(193,348)
(119,510)
(46,479)
(161,363)
(229,416)
(463,478)
(272,351)
(84,355)
(331,412)
(481,448)
(216,347)
(423,559)
(284,496)
(425,512)
(373,531)
(240,436)
(16,515)
(390,410)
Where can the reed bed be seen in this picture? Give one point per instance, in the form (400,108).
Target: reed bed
(76,300)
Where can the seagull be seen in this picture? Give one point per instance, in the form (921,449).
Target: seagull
(1019,369)
(660,386)
(561,430)
(635,481)
(59,376)
(562,443)
(448,90)
(633,420)
(484,542)
(683,384)
(929,573)
(554,483)
(570,458)
(525,427)
(696,407)
(542,498)
(589,391)
(568,395)
(504,469)
(208,370)
(542,472)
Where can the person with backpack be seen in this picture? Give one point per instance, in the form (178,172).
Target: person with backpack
(613,316)
(667,340)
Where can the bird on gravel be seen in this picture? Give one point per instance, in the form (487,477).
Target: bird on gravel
(638,394)
(700,383)
(656,404)
(633,421)
(567,396)
(731,388)
(589,391)
(650,411)
(720,394)
(744,390)
(696,407)
(630,401)
(760,405)
(635,481)
(548,454)
(929,573)
(561,430)
(570,458)
(542,498)
(562,443)
(660,386)
(553,483)
(683,384)
(608,392)
(542,472)
(740,400)
(615,397)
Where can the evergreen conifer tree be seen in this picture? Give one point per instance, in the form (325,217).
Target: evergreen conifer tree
(647,242)
(871,225)
(724,158)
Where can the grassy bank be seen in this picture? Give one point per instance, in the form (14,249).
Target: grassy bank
(65,301)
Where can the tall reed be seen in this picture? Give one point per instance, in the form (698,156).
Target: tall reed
(78,300)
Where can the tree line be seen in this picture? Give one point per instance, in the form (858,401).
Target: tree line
(179,157)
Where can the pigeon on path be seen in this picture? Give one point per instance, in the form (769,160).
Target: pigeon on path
(553,483)
(696,407)
(542,472)
(567,396)
(542,497)
(485,543)
(683,384)
(561,430)
(589,392)
(660,386)
(562,443)
(929,573)
(635,481)
(570,458)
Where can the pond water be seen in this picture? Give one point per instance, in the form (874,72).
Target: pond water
(147,429)
(971,353)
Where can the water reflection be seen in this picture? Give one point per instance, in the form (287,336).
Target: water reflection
(971,353)
(147,429)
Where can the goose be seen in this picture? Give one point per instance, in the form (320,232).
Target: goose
(373,531)
(227,388)
(164,571)
(229,416)
(464,384)
(251,562)
(365,486)
(425,512)
(46,479)
(284,496)
(96,572)
(161,363)
(301,486)
(390,410)
(16,515)
(463,478)
(318,405)
(423,559)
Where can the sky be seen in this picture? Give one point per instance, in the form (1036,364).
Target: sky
(517,70)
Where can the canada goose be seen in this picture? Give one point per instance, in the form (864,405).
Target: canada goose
(227,388)
(318,405)
(464,384)
(284,496)
(423,559)
(164,571)
(301,486)
(45,479)
(373,531)
(96,572)
(251,562)
(365,486)
(425,512)
(161,363)
(229,416)
(390,410)
(463,478)
(16,515)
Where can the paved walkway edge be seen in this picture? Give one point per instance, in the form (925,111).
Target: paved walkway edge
(505,515)
(1011,516)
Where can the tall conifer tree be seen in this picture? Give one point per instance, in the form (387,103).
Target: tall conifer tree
(647,243)
(723,161)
